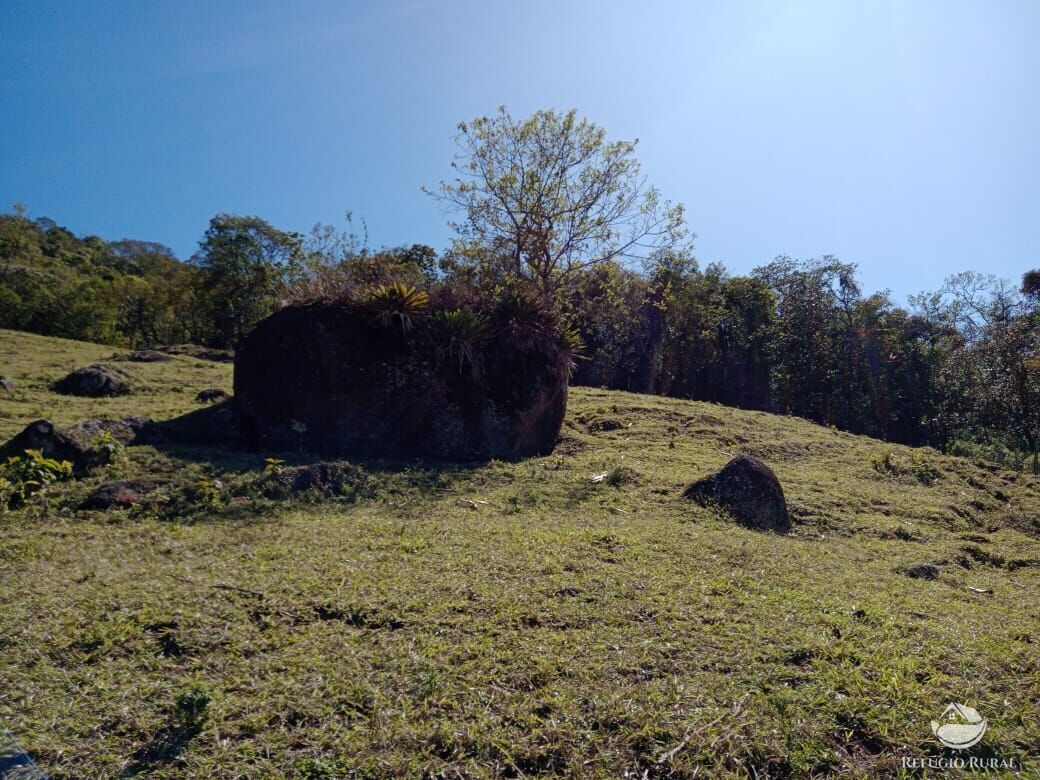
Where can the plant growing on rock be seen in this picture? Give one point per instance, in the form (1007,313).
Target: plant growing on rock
(398,304)
(528,324)
(461,335)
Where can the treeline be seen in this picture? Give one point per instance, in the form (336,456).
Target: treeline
(137,293)
(959,369)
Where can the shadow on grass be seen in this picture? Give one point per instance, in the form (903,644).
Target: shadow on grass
(419,472)
(163,748)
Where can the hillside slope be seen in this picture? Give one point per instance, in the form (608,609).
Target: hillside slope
(513,619)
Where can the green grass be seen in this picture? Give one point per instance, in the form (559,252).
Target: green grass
(514,619)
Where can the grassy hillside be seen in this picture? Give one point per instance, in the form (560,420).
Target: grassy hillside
(513,619)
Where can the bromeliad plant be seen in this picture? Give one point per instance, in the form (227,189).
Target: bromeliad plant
(461,335)
(527,324)
(397,304)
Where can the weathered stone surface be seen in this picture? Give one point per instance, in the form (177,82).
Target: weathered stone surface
(322,378)
(44,436)
(148,356)
(125,431)
(747,489)
(211,395)
(338,478)
(200,353)
(74,443)
(7,385)
(213,426)
(95,381)
(122,494)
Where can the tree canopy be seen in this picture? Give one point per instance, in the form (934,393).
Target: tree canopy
(550,196)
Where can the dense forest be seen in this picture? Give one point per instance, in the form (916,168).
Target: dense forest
(960,370)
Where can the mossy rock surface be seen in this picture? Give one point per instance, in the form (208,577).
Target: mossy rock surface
(325,377)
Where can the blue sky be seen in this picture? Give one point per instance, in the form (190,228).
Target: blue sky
(900,136)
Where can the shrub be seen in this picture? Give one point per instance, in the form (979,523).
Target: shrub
(328,479)
(622,475)
(191,708)
(990,449)
(883,462)
(273,466)
(23,477)
(922,468)
(209,493)
(106,450)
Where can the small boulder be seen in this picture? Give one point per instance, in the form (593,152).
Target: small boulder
(335,478)
(122,494)
(44,436)
(74,443)
(747,489)
(200,353)
(7,385)
(95,381)
(211,395)
(125,431)
(148,356)
(924,571)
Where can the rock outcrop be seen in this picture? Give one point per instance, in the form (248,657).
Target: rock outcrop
(199,353)
(334,378)
(747,489)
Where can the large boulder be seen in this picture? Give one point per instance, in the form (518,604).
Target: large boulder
(7,385)
(95,381)
(749,490)
(337,378)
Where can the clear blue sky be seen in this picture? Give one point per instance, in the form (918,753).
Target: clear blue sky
(904,136)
